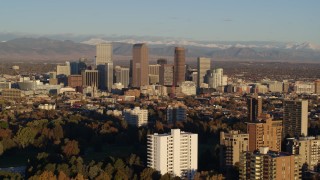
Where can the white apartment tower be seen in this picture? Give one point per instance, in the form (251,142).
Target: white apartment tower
(103,53)
(175,153)
(136,116)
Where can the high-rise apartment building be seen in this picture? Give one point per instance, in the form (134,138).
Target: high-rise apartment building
(175,153)
(295,118)
(103,53)
(232,144)
(266,133)
(308,148)
(137,117)
(204,65)
(166,75)
(122,76)
(176,112)
(90,78)
(265,164)
(179,65)
(140,64)
(254,105)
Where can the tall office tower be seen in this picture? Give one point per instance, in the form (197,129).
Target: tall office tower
(295,118)
(265,164)
(103,53)
(137,117)
(90,78)
(122,76)
(140,63)
(175,153)
(109,75)
(266,133)
(162,61)
(308,148)
(176,112)
(317,86)
(77,67)
(154,73)
(204,65)
(105,76)
(215,78)
(166,75)
(154,69)
(254,105)
(64,69)
(232,145)
(179,65)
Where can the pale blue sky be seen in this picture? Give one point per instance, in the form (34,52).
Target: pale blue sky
(229,20)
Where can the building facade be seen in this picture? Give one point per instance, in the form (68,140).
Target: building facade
(232,145)
(140,65)
(204,65)
(254,105)
(103,54)
(175,153)
(295,118)
(179,65)
(266,133)
(308,149)
(265,164)
(90,78)
(137,117)
(166,74)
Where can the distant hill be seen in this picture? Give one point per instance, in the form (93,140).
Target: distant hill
(44,49)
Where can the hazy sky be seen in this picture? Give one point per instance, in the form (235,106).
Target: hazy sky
(245,20)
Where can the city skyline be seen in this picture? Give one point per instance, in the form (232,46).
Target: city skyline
(285,21)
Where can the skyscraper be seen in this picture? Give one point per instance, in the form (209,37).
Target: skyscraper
(204,65)
(166,74)
(103,53)
(122,76)
(90,78)
(215,78)
(179,65)
(140,65)
(254,108)
(175,153)
(295,118)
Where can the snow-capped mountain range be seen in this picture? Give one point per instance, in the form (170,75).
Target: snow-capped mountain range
(215,45)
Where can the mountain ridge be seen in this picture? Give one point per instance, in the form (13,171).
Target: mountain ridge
(46,49)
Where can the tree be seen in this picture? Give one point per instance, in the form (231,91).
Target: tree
(71,148)
(25,136)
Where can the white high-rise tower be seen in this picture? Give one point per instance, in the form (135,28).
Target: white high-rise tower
(175,153)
